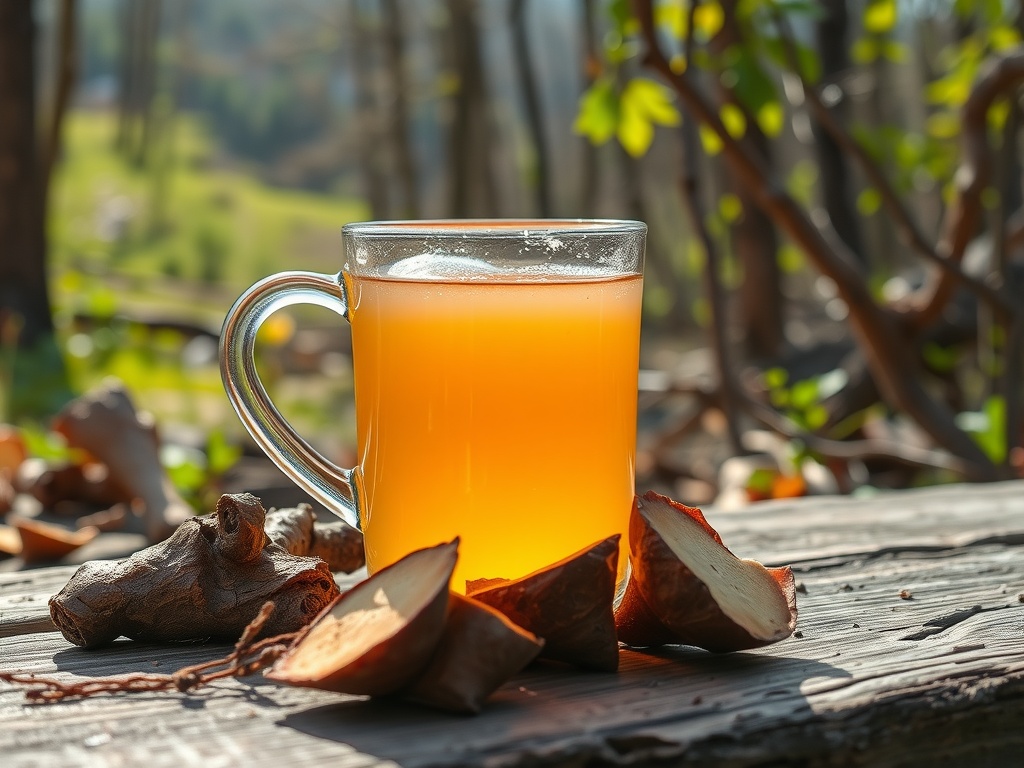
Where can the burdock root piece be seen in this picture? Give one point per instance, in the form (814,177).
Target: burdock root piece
(685,587)
(569,604)
(209,580)
(105,423)
(377,637)
(479,650)
(85,483)
(300,532)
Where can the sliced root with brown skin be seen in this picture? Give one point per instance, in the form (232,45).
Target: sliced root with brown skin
(686,587)
(479,650)
(569,604)
(377,637)
(43,542)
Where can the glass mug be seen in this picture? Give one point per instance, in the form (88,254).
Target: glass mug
(495,369)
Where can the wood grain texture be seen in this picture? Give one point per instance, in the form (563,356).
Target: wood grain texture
(935,677)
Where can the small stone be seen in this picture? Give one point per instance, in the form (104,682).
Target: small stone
(801,588)
(846,588)
(856,626)
(906,594)
(798,634)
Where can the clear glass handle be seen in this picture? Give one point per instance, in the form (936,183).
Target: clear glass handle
(331,485)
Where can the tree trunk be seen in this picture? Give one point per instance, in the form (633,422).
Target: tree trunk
(366,118)
(590,180)
(405,162)
(833,170)
(37,381)
(539,175)
(755,242)
(473,191)
(148,40)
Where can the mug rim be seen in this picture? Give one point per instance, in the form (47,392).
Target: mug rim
(491,228)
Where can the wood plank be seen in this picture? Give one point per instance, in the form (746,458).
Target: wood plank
(874,679)
(794,530)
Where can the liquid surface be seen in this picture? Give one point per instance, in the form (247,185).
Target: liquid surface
(501,413)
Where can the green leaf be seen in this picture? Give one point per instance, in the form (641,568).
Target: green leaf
(987,427)
(730,207)
(816,416)
(775,378)
(998,113)
(734,120)
(708,18)
(865,50)
(709,140)
(652,99)
(943,125)
(880,16)
(1003,37)
(894,52)
(221,455)
(804,394)
(869,201)
(939,358)
(673,18)
(642,104)
(635,132)
(791,259)
(760,481)
(598,116)
(771,118)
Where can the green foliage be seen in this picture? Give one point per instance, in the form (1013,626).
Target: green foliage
(801,401)
(630,114)
(988,427)
(224,227)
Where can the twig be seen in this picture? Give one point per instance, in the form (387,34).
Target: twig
(848,450)
(247,658)
(907,227)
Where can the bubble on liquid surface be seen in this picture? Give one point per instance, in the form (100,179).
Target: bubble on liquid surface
(451,268)
(439,266)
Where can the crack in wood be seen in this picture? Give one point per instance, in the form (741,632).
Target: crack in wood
(942,623)
(811,565)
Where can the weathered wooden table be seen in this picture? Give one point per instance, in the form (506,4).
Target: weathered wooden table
(932,677)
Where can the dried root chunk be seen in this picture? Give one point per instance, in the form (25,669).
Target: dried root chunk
(208,580)
(377,637)
(53,484)
(104,422)
(479,650)
(686,587)
(569,604)
(300,532)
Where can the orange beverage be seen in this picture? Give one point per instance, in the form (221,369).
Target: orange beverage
(497,408)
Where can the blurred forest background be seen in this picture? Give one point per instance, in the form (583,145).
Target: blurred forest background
(833,294)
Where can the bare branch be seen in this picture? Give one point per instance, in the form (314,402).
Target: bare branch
(999,77)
